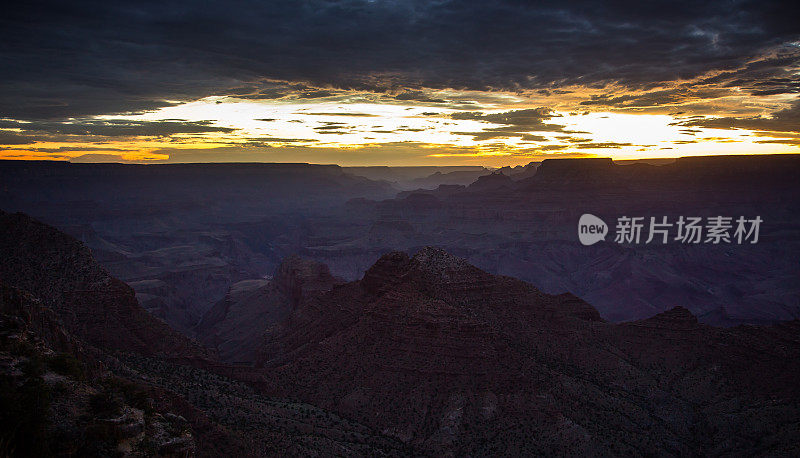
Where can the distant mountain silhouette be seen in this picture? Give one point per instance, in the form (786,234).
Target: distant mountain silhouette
(183,235)
(528,229)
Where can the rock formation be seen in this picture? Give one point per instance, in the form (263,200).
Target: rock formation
(450,359)
(93,305)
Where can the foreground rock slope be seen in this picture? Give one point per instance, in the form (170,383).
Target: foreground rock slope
(93,305)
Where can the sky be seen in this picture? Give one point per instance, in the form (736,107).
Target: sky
(382,82)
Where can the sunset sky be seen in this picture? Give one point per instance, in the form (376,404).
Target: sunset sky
(397,82)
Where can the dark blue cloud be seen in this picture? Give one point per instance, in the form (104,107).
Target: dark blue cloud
(61,59)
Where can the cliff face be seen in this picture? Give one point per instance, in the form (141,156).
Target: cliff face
(435,285)
(417,341)
(23,314)
(93,305)
(571,174)
(450,359)
(491,182)
(58,400)
(298,277)
(61,395)
(529,232)
(236,325)
(425,355)
(182,236)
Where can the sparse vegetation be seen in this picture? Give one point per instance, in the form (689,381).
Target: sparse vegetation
(67,365)
(24,415)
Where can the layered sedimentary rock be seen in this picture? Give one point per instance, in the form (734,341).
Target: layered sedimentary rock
(94,306)
(236,325)
(450,359)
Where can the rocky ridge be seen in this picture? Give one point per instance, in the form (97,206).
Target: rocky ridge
(94,306)
(236,325)
(450,359)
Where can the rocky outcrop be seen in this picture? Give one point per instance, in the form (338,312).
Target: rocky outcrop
(452,279)
(678,318)
(23,314)
(236,325)
(298,277)
(58,400)
(521,172)
(426,293)
(93,305)
(491,182)
(450,359)
(571,174)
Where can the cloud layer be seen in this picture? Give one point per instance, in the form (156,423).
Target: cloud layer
(67,59)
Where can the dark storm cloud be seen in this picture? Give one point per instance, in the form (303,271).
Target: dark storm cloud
(786,121)
(655,98)
(332,127)
(343,113)
(599,145)
(517,123)
(13,138)
(418,96)
(67,59)
(112,128)
(533,117)
(273,90)
(534,138)
(260,142)
(772,75)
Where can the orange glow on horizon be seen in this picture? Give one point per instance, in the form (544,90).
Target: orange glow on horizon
(355,130)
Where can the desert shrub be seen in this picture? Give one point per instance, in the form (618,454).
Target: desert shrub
(133,394)
(98,447)
(23,348)
(24,417)
(105,404)
(32,367)
(66,365)
(59,389)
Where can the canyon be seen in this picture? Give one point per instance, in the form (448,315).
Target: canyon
(183,236)
(424,355)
